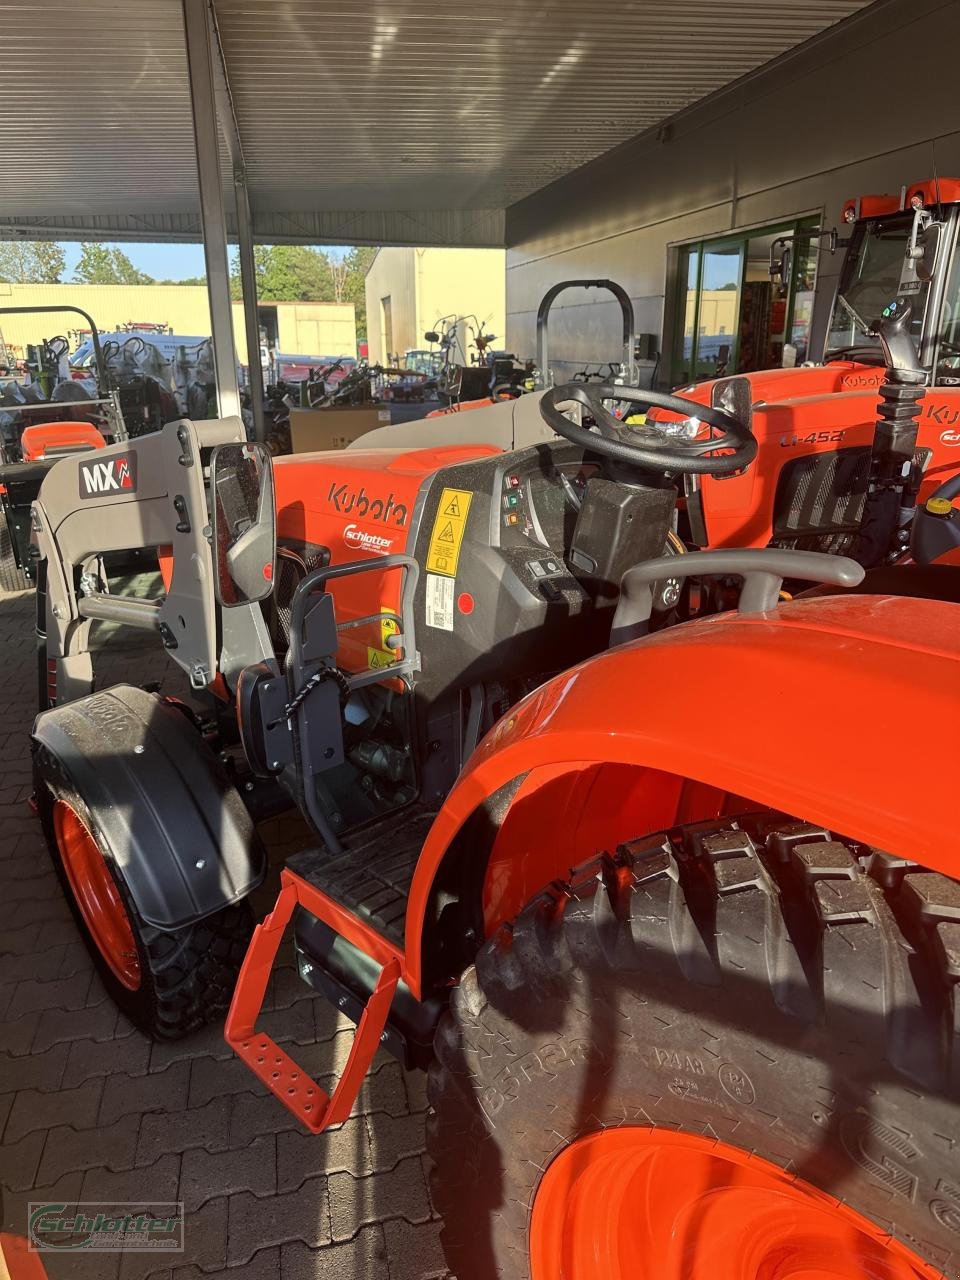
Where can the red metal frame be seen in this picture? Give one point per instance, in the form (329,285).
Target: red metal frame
(301,1095)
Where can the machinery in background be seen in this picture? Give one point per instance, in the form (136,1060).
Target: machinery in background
(45,413)
(461,378)
(158,375)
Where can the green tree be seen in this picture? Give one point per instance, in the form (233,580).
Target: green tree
(357,264)
(31,261)
(287,273)
(107,264)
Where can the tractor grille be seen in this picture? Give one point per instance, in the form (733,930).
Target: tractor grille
(294,562)
(822,494)
(290,573)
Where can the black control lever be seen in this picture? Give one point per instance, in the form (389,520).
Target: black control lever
(894,477)
(899,351)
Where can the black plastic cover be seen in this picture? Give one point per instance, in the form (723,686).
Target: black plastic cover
(163,807)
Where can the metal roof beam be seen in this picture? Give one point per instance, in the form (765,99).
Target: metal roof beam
(199,39)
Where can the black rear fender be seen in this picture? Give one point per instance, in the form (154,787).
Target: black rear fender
(179,833)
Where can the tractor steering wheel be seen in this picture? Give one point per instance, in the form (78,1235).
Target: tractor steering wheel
(654,446)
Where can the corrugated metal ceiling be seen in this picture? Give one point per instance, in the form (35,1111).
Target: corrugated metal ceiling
(352,111)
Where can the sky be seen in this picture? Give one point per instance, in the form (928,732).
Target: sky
(162,261)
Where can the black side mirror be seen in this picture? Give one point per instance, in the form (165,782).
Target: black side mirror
(781,257)
(927,246)
(432,336)
(243,524)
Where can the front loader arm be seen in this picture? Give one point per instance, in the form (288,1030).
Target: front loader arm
(145,492)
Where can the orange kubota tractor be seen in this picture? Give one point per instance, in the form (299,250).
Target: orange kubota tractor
(671,919)
(814,424)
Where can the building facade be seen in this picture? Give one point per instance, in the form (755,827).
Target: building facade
(293,328)
(688,212)
(408,290)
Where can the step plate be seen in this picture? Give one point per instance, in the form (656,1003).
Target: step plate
(372,876)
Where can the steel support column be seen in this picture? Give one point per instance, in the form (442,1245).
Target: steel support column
(212,214)
(251,318)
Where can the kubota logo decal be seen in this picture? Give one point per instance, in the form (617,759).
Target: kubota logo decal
(350,502)
(115,475)
(944,415)
(354,536)
(951,437)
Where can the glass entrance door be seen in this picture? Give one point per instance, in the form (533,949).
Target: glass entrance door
(721,281)
(731,317)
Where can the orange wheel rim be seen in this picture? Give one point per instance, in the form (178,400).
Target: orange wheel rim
(96,894)
(652,1204)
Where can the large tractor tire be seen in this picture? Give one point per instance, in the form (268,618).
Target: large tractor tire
(726,1054)
(168,979)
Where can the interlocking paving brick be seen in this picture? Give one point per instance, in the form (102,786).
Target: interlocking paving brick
(365,1255)
(19,942)
(298,1215)
(59,1025)
(128,1094)
(50,909)
(287,988)
(212,1078)
(65,993)
(401,1193)
(206,1176)
(14,1207)
(264,1265)
(75,959)
(19,1161)
(35,1110)
(393,1138)
(207,1127)
(42,966)
(415,1083)
(302,1155)
(6,1102)
(414,1250)
(17,1036)
(36,1070)
(112,1147)
(90,1058)
(205,1234)
(118,1123)
(156,1185)
(83,1266)
(208,1041)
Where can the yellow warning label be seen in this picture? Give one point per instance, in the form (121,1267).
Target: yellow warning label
(448,529)
(377,659)
(388,627)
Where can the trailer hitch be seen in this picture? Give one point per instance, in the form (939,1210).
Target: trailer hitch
(287,1081)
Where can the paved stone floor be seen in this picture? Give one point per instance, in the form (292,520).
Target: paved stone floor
(92,1110)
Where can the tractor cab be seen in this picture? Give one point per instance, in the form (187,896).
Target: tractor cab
(429,590)
(901,247)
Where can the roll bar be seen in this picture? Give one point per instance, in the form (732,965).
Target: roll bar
(94,333)
(543,314)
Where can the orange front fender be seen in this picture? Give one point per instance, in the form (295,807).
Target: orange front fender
(838,710)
